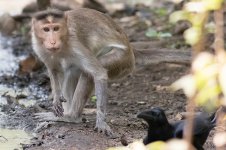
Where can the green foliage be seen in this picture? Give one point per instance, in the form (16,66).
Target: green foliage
(93,99)
(161,12)
(152,33)
(206,84)
(195,12)
(178,15)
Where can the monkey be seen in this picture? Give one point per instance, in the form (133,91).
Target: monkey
(82,50)
(160,129)
(66,5)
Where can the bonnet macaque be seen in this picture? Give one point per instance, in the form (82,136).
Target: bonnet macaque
(82,49)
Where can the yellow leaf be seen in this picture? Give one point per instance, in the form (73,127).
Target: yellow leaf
(137,145)
(197,19)
(208,95)
(192,35)
(176,144)
(118,148)
(212,4)
(187,83)
(178,15)
(219,139)
(195,6)
(203,76)
(158,145)
(203,60)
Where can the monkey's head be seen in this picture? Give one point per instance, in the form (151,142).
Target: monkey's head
(154,116)
(50,29)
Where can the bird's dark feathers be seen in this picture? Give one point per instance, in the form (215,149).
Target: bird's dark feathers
(161,129)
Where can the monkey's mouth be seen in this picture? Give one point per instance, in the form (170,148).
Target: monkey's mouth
(54,50)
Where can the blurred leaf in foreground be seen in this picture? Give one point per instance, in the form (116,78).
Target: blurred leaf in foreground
(219,139)
(206,83)
(213,4)
(187,84)
(158,145)
(179,15)
(192,35)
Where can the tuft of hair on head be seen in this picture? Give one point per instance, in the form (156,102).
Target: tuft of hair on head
(49,12)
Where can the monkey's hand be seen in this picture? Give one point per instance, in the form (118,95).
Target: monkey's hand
(57,106)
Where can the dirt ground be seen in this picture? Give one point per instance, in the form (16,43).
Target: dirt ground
(146,87)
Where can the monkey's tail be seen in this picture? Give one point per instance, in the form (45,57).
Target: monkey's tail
(155,56)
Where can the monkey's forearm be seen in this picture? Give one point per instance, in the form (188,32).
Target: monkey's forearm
(56,90)
(55,85)
(101,93)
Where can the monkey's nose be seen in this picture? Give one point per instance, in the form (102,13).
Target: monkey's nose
(53,42)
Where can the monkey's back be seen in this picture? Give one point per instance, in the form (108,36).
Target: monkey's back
(90,24)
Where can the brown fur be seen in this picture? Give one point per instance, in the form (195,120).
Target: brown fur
(88,50)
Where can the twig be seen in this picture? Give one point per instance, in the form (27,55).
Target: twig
(219,49)
(188,129)
(219,34)
(199,47)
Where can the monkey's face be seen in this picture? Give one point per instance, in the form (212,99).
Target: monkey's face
(51,33)
(155,116)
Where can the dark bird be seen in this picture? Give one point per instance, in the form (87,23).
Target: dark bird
(161,130)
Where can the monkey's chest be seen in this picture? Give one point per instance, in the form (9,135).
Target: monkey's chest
(68,62)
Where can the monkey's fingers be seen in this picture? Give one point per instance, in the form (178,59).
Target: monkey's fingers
(45,116)
(58,110)
(104,128)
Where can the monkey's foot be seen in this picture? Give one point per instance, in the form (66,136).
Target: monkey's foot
(102,127)
(49,116)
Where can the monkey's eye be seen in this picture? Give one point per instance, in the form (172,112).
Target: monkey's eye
(56,29)
(46,29)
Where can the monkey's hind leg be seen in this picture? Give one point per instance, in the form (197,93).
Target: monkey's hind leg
(69,85)
(82,94)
